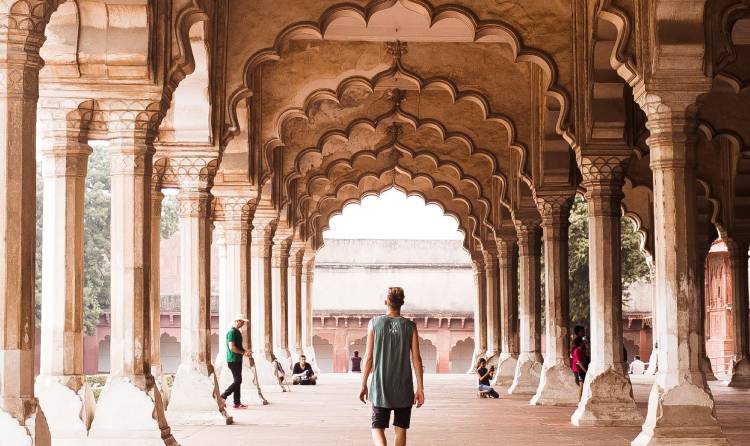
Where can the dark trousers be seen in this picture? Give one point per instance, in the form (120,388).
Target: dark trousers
(234,388)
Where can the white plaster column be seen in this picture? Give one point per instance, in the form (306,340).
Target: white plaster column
(308,278)
(295,296)
(557,384)
(681,407)
(131,388)
(157,197)
(508,283)
(195,394)
(529,366)
(261,313)
(232,211)
(607,396)
(480,312)
(21,418)
(280,291)
(740,374)
(64,394)
(491,270)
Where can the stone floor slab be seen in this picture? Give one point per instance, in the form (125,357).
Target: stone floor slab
(330,414)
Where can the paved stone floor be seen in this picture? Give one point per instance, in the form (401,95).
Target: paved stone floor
(330,414)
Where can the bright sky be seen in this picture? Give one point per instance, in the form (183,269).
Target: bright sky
(393,215)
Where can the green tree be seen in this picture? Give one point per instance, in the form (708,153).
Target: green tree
(634,266)
(96,245)
(169,217)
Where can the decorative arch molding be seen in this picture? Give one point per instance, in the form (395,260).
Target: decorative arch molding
(622,62)
(721,51)
(457,95)
(483,31)
(643,223)
(183,61)
(395,145)
(452,170)
(452,204)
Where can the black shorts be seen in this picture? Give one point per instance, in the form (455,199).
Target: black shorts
(381,416)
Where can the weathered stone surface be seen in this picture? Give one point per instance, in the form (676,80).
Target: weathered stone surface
(607,400)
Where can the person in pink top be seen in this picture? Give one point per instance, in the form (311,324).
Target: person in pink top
(579,361)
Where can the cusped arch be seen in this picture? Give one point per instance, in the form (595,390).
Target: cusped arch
(483,31)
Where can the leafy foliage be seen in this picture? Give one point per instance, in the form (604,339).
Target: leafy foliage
(96,229)
(634,265)
(169,217)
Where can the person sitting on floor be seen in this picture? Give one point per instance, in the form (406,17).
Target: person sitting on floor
(485,376)
(637,367)
(303,373)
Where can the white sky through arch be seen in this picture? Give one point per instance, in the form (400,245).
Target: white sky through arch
(393,215)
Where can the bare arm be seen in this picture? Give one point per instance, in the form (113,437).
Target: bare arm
(416,359)
(368,363)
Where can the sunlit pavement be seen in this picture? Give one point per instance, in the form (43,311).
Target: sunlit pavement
(330,414)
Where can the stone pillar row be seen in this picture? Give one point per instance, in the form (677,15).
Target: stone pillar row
(557,385)
(607,398)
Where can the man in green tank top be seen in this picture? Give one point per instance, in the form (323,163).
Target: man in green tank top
(392,348)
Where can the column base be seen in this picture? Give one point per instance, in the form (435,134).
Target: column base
(607,400)
(265,369)
(557,386)
(740,376)
(284,357)
(706,368)
(506,370)
(528,372)
(157,371)
(33,430)
(474,359)
(682,415)
(68,404)
(145,424)
(195,397)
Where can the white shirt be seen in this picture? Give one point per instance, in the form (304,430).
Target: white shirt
(637,367)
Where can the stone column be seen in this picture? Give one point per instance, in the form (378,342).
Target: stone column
(740,375)
(261,313)
(64,395)
(232,212)
(195,394)
(557,384)
(492,294)
(21,36)
(703,246)
(680,407)
(280,290)
(156,367)
(308,278)
(508,282)
(607,397)
(295,300)
(480,313)
(529,366)
(131,388)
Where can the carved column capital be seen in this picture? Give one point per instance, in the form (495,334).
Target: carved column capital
(263,229)
(554,209)
(529,237)
(672,110)
(194,204)
(66,159)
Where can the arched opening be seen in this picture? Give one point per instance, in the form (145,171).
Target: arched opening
(170,352)
(461,355)
(392,239)
(323,354)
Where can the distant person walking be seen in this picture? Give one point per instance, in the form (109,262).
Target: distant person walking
(392,349)
(356,362)
(235,352)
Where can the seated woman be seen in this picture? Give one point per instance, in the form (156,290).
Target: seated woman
(303,373)
(484,379)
